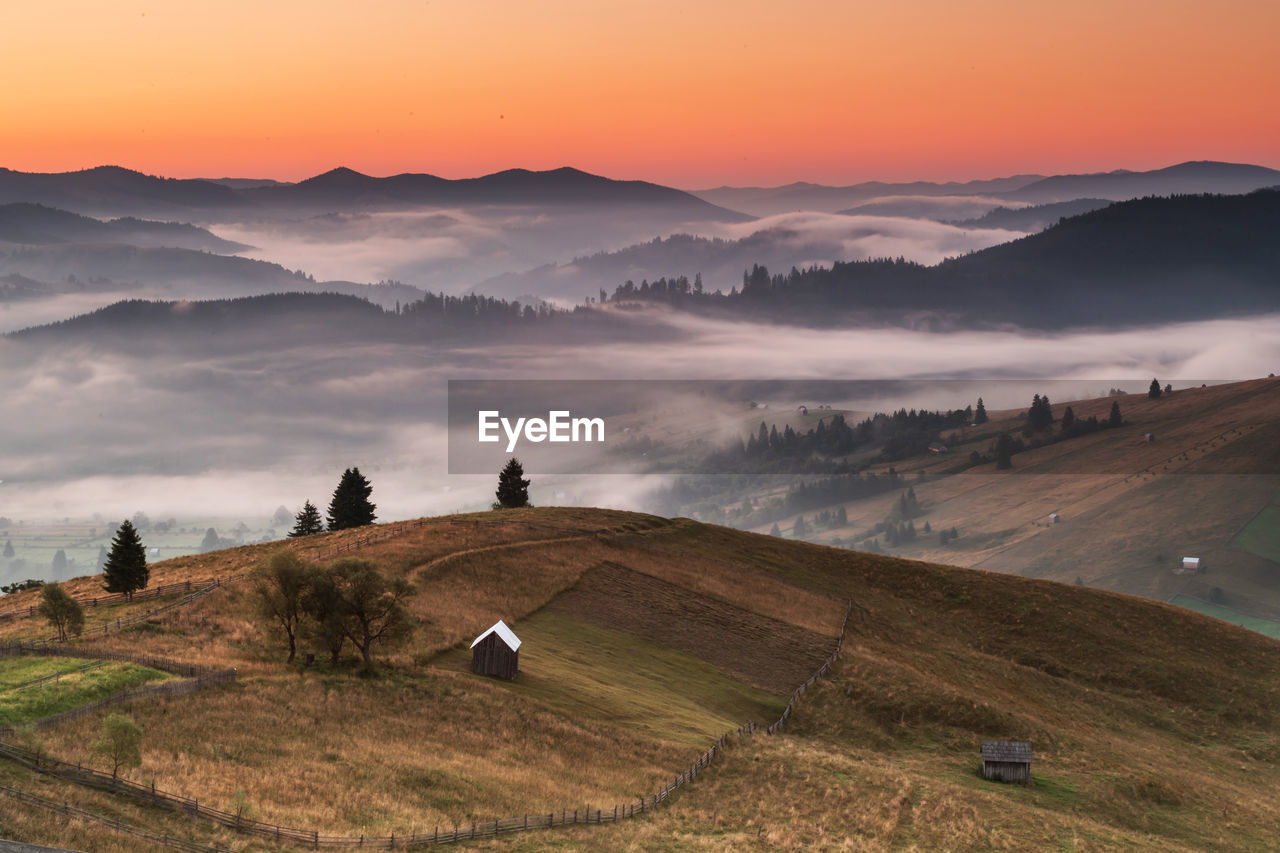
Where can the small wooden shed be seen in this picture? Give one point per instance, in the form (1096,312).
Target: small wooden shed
(1007,761)
(1191,564)
(496,652)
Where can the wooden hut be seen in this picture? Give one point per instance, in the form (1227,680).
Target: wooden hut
(496,652)
(1007,761)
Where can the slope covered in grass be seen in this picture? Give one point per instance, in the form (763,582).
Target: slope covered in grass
(1153,727)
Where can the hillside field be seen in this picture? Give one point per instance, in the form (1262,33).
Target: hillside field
(1154,728)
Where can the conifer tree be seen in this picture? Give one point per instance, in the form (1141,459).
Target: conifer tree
(1068,420)
(8,548)
(209,542)
(126,568)
(513,489)
(350,506)
(799,529)
(1154,391)
(307,521)
(1114,419)
(776,530)
(980,413)
(59,562)
(1004,451)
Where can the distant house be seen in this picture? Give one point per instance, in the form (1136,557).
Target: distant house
(496,652)
(1148,437)
(1054,518)
(1006,761)
(804,410)
(1191,564)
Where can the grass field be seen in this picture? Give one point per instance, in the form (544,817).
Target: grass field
(1263,626)
(21,703)
(1261,536)
(1154,727)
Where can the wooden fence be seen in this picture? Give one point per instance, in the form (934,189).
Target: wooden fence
(822,670)
(486,829)
(114,597)
(72,811)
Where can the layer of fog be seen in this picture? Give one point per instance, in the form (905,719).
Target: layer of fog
(943,208)
(453,250)
(83,433)
(22,314)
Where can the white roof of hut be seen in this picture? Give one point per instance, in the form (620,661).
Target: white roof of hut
(504,633)
(1191,562)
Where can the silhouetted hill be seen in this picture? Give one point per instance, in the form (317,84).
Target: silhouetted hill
(344,188)
(110,190)
(113,191)
(1133,263)
(767,201)
(1034,218)
(23,222)
(1194,177)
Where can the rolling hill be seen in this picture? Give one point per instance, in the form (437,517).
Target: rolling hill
(34,223)
(646,638)
(113,191)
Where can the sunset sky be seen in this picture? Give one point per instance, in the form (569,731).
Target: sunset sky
(693,94)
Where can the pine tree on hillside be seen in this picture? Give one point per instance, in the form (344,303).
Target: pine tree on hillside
(980,413)
(210,541)
(307,521)
(1004,451)
(775,530)
(1068,420)
(126,568)
(799,528)
(350,506)
(513,489)
(59,565)
(1114,419)
(1154,391)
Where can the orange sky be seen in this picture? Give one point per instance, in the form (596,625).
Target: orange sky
(692,94)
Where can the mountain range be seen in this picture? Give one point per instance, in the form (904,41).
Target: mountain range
(114,191)
(1117,185)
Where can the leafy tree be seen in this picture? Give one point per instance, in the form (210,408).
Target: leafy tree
(1114,419)
(1154,391)
(121,742)
(126,568)
(279,586)
(63,612)
(307,521)
(372,610)
(350,506)
(1004,451)
(19,586)
(210,541)
(980,413)
(8,548)
(513,489)
(322,603)
(1168,389)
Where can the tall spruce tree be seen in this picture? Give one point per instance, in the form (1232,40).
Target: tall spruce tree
(1114,419)
(1004,451)
(126,568)
(1068,420)
(513,489)
(980,413)
(307,521)
(1154,391)
(350,506)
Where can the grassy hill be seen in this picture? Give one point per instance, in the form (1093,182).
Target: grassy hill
(645,639)
(1207,486)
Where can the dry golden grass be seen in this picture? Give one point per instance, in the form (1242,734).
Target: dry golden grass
(1148,721)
